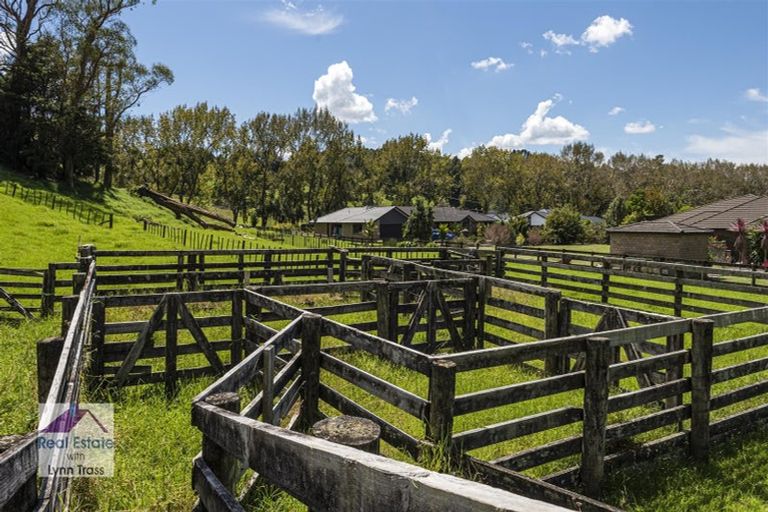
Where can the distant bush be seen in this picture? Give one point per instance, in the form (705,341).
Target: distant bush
(498,234)
(535,236)
(564,226)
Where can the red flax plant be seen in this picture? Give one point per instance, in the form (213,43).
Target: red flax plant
(741,246)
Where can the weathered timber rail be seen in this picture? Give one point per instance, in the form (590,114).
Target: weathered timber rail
(671,287)
(60,369)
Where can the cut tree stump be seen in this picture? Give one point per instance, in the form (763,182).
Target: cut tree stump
(351,431)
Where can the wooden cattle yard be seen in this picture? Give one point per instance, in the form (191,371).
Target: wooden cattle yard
(291,333)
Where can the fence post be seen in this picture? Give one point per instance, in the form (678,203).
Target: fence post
(343,253)
(171,339)
(268,388)
(267,266)
(605,282)
(674,343)
(598,360)
(329,254)
(554,363)
(49,290)
(484,289)
(311,335)
(226,467)
(678,308)
(237,327)
(99,315)
(68,305)
(701,386)
(544,270)
(48,353)
(85,253)
(383,313)
(499,271)
(442,391)
(365,275)
(470,314)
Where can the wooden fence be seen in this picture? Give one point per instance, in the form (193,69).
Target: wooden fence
(78,210)
(60,368)
(674,287)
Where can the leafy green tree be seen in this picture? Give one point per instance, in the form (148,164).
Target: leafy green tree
(563,226)
(419,223)
(616,213)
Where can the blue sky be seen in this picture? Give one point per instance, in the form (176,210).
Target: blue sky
(685,79)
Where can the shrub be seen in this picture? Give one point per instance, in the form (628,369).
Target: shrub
(595,232)
(419,224)
(535,237)
(498,234)
(564,226)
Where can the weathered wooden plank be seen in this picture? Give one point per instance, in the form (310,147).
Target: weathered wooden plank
(17,465)
(378,346)
(648,395)
(514,326)
(144,339)
(352,480)
(739,344)
(496,397)
(200,337)
(701,386)
(211,492)
(739,395)
(739,370)
(499,432)
(390,393)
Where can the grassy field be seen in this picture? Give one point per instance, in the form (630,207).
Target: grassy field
(156,441)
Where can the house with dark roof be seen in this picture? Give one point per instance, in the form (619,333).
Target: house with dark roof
(686,235)
(388,221)
(350,222)
(537,218)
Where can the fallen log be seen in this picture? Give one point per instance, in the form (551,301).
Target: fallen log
(188,210)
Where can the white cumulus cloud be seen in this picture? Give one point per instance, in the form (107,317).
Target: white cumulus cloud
(755,95)
(561,42)
(528,47)
(736,145)
(334,91)
(615,111)
(604,31)
(539,129)
(315,22)
(402,106)
(495,63)
(639,128)
(440,143)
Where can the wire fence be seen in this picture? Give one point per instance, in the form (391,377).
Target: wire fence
(77,209)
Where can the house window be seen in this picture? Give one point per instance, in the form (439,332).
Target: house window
(357,229)
(336,230)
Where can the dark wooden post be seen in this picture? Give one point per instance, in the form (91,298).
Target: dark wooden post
(544,270)
(484,289)
(85,254)
(225,466)
(329,255)
(171,346)
(267,266)
(68,305)
(701,386)
(383,313)
(674,372)
(365,275)
(78,282)
(605,282)
(598,360)
(343,254)
(241,269)
(431,298)
(678,308)
(311,336)
(500,263)
(48,354)
(49,290)
(192,272)
(99,314)
(180,273)
(442,391)
(201,270)
(554,363)
(237,327)
(268,388)
(470,314)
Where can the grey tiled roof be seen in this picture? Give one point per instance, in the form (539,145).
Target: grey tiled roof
(356,215)
(713,216)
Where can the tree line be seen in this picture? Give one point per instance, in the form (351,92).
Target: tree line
(69,78)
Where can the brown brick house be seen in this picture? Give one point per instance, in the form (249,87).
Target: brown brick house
(685,235)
